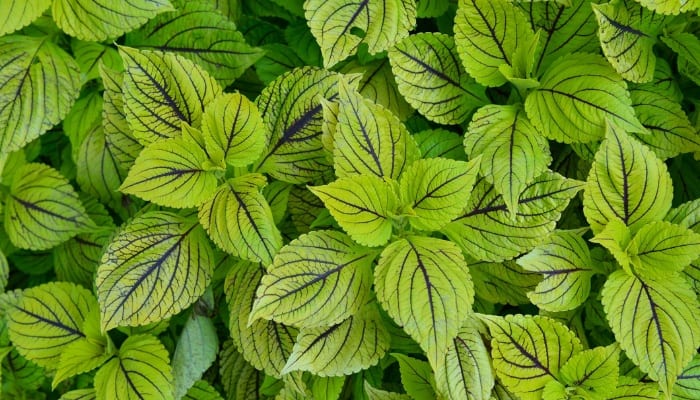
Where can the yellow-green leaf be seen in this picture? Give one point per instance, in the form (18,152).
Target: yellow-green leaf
(80,394)
(440,143)
(688,384)
(99,171)
(672,7)
(661,248)
(631,389)
(378,394)
(240,380)
(686,45)
(505,282)
(17,14)
(593,369)
(81,356)
(91,55)
(4,271)
(416,377)
(202,390)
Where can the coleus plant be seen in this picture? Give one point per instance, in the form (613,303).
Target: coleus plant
(399,199)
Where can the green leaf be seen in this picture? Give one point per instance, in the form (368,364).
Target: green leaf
(16,14)
(486,230)
(529,351)
(42,209)
(377,394)
(278,59)
(158,264)
(369,139)
(239,379)
(632,389)
(436,190)
(465,372)
(99,172)
(172,173)
(197,31)
(594,369)
(98,20)
(505,283)
(687,46)
(82,118)
(4,271)
(513,152)
(355,344)
(20,374)
(688,383)
(673,7)
(202,390)
(577,94)
(417,377)
(565,263)
(627,181)
(431,78)
(80,394)
(91,55)
(239,220)
(328,388)
(654,322)
(39,83)
(195,352)
(161,90)
(334,24)
(424,285)
(140,370)
(487,34)
(661,248)
(616,237)
(319,279)
(277,196)
(440,143)
(362,205)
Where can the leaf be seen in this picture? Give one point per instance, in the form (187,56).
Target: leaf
(673,7)
(202,390)
(233,130)
(239,220)
(513,152)
(362,205)
(239,379)
(661,248)
(197,31)
(80,394)
(431,78)
(91,55)
(39,83)
(627,181)
(505,283)
(369,138)
(83,356)
(486,231)
(317,280)
(328,388)
(465,372)
(435,190)
(140,370)
(576,96)
(195,353)
(99,171)
(595,369)
(654,322)
(4,271)
(42,209)
(377,394)
(424,285)
(17,14)
(686,45)
(688,383)
(417,377)
(118,135)
(345,348)
(157,265)
(161,90)
(98,20)
(334,25)
(632,389)
(615,237)
(565,263)
(440,143)
(487,34)
(529,351)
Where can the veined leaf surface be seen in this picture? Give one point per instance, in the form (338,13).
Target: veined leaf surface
(505,282)
(672,7)
(17,14)
(42,209)
(594,369)
(430,76)
(654,320)
(424,285)
(80,394)
(687,46)
(627,181)
(157,265)
(99,171)
(576,96)
(378,394)
(202,390)
(195,352)
(416,377)
(91,55)
(239,379)
(39,83)
(661,248)
(440,143)
(333,23)
(688,384)
(319,279)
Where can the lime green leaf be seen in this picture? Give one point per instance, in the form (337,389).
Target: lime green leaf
(440,143)
(17,14)
(486,230)
(355,344)
(292,113)
(42,209)
(233,130)
(595,369)
(82,118)
(239,220)
(80,394)
(82,356)
(202,390)
(417,377)
(576,96)
(565,263)
(688,383)
(239,379)
(265,344)
(171,173)
(424,285)
(319,279)
(673,7)
(654,322)
(529,351)
(627,181)
(334,25)
(513,152)
(141,370)
(47,319)
(156,266)
(627,34)
(38,84)
(465,372)
(505,283)
(4,271)
(278,59)
(91,55)
(487,34)
(378,394)
(369,138)
(436,190)
(328,388)
(197,31)
(195,352)
(161,90)
(687,46)
(277,196)
(118,135)
(304,207)
(431,78)
(99,172)
(661,248)
(362,205)
(21,374)
(631,389)
(98,20)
